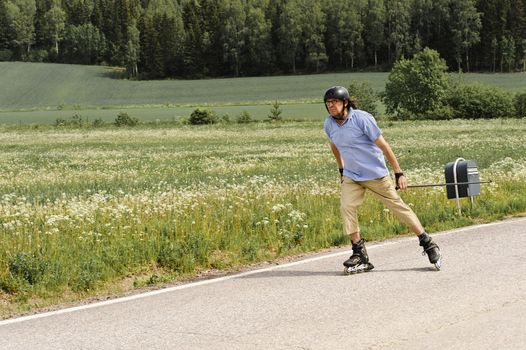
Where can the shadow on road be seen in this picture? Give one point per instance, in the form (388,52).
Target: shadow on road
(416,269)
(292,273)
(307,273)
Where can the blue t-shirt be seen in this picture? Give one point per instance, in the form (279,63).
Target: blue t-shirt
(363,160)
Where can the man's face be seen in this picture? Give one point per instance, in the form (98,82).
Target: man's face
(334,106)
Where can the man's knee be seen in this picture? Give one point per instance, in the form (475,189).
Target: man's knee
(349,208)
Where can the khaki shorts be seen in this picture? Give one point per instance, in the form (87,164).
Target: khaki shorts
(352,194)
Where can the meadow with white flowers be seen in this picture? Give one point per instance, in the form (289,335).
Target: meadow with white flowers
(87,212)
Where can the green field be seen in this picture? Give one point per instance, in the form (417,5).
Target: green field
(41,93)
(87,212)
(152,114)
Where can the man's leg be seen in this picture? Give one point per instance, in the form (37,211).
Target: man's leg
(351,198)
(352,195)
(385,191)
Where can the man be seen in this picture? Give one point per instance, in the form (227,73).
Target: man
(359,148)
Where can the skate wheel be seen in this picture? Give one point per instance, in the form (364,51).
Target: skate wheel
(357,269)
(350,270)
(438,264)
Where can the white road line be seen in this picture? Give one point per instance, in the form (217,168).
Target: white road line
(229,277)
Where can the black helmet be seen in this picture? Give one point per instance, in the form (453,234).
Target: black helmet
(337,93)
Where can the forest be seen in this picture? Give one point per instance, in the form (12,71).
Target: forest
(156,39)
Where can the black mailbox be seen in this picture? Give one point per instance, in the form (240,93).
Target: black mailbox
(466,172)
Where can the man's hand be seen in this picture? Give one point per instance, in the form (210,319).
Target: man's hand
(401,182)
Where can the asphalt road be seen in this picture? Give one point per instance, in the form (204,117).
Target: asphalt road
(477,301)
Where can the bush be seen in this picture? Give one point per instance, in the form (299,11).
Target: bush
(416,86)
(363,95)
(316,62)
(28,267)
(244,118)
(98,122)
(76,121)
(440,113)
(37,56)
(123,119)
(202,117)
(476,101)
(91,272)
(520,104)
(14,285)
(185,256)
(225,118)
(61,122)
(6,55)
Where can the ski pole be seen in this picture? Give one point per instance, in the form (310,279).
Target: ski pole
(448,184)
(451,184)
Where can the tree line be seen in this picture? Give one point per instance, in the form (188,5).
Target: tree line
(209,38)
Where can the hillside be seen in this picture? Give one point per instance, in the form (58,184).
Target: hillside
(40,85)
(41,93)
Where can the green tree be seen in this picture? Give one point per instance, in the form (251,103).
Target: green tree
(374,27)
(516,22)
(494,45)
(416,86)
(273,14)
(258,56)
(398,23)
(493,25)
(102,20)
(334,32)
(421,21)
(162,39)
(345,29)
(212,16)
(84,44)
(275,112)
(78,11)
(173,38)
(54,25)
(233,34)
(196,40)
(123,33)
(429,23)
(132,50)
(507,52)
(465,26)
(203,49)
(313,28)
(354,31)
(20,16)
(289,33)
(114,18)
(4,32)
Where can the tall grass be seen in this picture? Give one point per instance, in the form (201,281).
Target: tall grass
(84,209)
